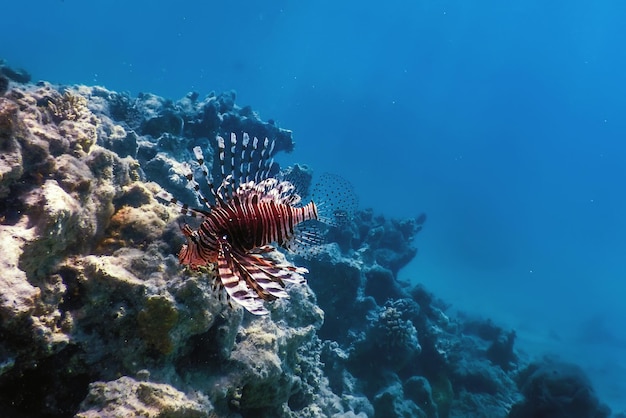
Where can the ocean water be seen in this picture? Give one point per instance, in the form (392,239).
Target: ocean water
(503,121)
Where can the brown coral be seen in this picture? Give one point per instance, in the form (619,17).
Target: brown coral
(68,107)
(73,117)
(156,320)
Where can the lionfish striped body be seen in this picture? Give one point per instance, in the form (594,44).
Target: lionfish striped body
(249,212)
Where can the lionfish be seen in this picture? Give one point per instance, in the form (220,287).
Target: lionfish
(250,211)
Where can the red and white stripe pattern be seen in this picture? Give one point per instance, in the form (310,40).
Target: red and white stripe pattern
(251,211)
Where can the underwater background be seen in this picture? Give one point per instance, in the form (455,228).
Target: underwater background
(503,121)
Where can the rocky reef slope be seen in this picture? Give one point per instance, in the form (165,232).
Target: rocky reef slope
(99,320)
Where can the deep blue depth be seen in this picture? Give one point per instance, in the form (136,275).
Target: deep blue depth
(503,120)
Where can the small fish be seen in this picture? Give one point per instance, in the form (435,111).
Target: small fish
(248,213)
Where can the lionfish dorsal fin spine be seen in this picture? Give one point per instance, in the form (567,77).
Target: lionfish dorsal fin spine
(255,144)
(260,170)
(244,167)
(267,158)
(221,150)
(184,208)
(195,187)
(233,145)
(197,151)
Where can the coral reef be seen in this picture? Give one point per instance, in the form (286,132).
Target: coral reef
(18,75)
(99,319)
(4,84)
(552,388)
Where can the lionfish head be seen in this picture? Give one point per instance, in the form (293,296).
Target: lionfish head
(189,254)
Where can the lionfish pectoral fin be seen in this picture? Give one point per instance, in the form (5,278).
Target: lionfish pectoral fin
(267,284)
(335,199)
(236,286)
(184,208)
(279,272)
(307,237)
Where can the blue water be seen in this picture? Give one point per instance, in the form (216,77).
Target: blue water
(503,120)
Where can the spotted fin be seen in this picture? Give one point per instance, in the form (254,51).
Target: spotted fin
(306,239)
(335,199)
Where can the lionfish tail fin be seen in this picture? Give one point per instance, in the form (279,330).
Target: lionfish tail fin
(335,199)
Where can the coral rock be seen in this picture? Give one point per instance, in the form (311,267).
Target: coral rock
(558,390)
(126,397)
